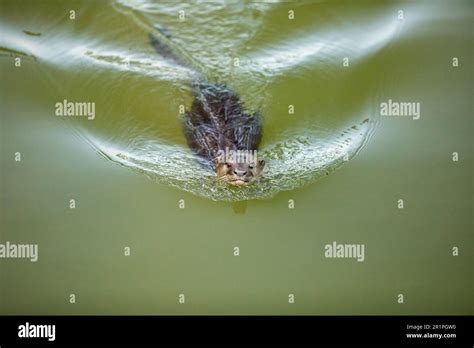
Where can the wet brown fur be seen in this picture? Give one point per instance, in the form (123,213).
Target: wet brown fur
(217,122)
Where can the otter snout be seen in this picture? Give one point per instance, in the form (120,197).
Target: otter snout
(240,173)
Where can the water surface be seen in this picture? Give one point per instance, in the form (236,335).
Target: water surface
(129,168)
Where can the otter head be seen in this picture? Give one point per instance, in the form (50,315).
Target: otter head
(238,172)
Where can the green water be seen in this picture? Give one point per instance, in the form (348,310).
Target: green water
(342,164)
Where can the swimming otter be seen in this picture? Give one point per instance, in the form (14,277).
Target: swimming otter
(217,128)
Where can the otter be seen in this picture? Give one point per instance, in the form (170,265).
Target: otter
(217,128)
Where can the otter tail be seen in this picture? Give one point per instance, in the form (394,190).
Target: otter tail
(170,51)
(165,51)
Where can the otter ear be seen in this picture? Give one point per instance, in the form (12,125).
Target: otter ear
(219,158)
(262,163)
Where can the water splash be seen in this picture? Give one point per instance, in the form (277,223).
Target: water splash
(296,159)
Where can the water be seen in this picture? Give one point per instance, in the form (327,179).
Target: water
(129,167)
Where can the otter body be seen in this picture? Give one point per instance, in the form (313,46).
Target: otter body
(218,129)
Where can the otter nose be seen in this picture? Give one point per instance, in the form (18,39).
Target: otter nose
(240,172)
